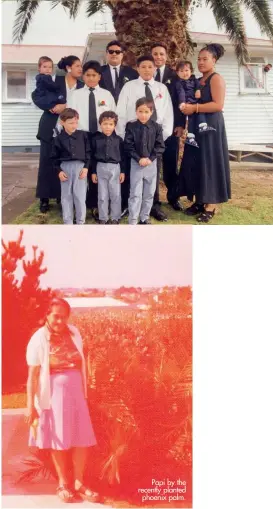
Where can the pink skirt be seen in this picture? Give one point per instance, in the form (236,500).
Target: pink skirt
(67,423)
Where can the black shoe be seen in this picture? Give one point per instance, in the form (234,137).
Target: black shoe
(194,209)
(114,221)
(44,206)
(125,213)
(58,201)
(205,216)
(158,214)
(176,205)
(145,222)
(103,222)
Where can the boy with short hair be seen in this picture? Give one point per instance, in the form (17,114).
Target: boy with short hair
(157,93)
(90,101)
(144,144)
(108,168)
(71,159)
(46,94)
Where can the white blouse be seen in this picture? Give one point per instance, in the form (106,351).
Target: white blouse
(38,355)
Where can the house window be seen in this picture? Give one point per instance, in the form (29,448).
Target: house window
(253,79)
(16,87)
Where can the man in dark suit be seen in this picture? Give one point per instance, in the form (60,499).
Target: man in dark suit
(166,75)
(114,76)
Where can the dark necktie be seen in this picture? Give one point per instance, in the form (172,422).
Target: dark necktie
(157,76)
(116,87)
(149,96)
(93,123)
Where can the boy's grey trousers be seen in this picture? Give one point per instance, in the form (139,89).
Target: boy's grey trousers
(109,190)
(73,192)
(142,190)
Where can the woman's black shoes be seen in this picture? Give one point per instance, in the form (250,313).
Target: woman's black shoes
(176,205)
(194,209)
(44,206)
(205,216)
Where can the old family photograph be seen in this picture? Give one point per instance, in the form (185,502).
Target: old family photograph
(96,368)
(137,112)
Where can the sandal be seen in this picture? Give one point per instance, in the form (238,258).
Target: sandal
(205,216)
(87,494)
(194,209)
(61,490)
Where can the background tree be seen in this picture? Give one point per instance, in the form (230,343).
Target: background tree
(139,23)
(23,306)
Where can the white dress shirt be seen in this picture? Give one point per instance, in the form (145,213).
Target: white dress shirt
(113,73)
(79,101)
(38,355)
(134,90)
(69,91)
(161,70)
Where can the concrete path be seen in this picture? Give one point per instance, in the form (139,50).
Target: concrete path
(38,493)
(19,178)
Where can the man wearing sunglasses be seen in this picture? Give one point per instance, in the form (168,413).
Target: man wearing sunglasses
(113,78)
(114,74)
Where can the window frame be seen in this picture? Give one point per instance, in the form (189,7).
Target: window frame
(6,99)
(254,91)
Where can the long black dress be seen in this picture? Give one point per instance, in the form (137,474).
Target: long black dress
(48,183)
(205,172)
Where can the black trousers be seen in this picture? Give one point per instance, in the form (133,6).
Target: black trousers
(170,160)
(48,182)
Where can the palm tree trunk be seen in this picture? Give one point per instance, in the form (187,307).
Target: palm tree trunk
(139,24)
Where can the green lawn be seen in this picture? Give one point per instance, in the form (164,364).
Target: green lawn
(252,203)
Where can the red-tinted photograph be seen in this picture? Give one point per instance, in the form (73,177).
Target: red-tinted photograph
(96,367)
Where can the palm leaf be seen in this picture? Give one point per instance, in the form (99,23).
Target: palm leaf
(23,17)
(228,15)
(94,6)
(262,14)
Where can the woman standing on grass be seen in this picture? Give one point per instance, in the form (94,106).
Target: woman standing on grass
(205,171)
(57,410)
(48,184)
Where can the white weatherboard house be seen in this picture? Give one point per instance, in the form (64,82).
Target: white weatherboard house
(249,99)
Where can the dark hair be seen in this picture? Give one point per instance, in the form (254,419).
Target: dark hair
(67,62)
(68,114)
(58,301)
(144,100)
(216,50)
(115,43)
(92,64)
(44,59)
(108,114)
(145,58)
(159,45)
(181,64)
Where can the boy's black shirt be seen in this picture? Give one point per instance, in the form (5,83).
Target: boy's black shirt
(71,147)
(107,149)
(144,140)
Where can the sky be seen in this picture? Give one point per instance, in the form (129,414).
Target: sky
(56,28)
(109,256)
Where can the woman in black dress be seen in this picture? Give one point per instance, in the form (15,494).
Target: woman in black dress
(48,184)
(205,172)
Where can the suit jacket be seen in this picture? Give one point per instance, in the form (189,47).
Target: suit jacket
(168,74)
(48,120)
(126,74)
(179,117)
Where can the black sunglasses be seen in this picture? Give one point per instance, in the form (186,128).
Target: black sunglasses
(116,51)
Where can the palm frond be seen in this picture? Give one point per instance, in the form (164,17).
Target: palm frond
(262,14)
(228,15)
(72,6)
(94,6)
(23,17)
